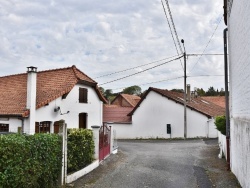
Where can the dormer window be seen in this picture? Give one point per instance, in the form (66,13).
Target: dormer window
(83,95)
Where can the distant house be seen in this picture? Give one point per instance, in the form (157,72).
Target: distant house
(237,18)
(218,100)
(158,107)
(119,109)
(126,100)
(36,101)
(117,114)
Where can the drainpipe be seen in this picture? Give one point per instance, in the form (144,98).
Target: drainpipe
(226,98)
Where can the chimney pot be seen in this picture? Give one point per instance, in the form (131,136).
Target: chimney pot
(31,69)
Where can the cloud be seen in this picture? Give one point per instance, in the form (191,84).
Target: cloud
(103,37)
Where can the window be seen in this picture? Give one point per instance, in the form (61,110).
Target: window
(83,120)
(4,127)
(43,127)
(83,95)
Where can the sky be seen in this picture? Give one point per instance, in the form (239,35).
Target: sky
(105,37)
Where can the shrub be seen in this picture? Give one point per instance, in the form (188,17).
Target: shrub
(30,160)
(220,123)
(80,149)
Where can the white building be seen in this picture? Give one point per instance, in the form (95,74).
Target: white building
(36,101)
(158,108)
(237,17)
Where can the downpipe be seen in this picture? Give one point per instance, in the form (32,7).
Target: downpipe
(227,99)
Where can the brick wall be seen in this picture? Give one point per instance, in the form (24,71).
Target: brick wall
(239,59)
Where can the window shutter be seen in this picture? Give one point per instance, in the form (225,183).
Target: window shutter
(83,95)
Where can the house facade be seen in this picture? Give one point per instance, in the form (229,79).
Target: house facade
(126,100)
(34,102)
(161,108)
(237,18)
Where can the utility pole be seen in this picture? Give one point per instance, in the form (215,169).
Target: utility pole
(185,91)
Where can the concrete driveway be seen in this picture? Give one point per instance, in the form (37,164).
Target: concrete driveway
(162,163)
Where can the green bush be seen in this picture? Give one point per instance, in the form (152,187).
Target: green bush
(220,123)
(30,160)
(80,149)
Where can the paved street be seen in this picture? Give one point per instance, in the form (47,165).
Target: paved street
(189,163)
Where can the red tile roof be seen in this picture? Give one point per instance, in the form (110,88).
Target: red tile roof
(131,99)
(198,104)
(116,114)
(218,100)
(51,84)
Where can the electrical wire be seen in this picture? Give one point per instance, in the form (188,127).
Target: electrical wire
(207,44)
(135,67)
(202,54)
(141,71)
(205,75)
(175,78)
(171,18)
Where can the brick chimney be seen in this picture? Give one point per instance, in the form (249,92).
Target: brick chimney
(188,92)
(31,99)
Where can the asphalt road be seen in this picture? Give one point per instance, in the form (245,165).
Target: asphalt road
(160,164)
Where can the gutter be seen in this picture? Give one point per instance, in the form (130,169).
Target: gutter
(227,98)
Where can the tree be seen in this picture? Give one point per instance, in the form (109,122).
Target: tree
(178,90)
(132,90)
(108,93)
(102,90)
(211,92)
(200,92)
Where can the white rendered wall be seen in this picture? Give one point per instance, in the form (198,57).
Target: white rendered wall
(154,113)
(93,108)
(14,123)
(239,66)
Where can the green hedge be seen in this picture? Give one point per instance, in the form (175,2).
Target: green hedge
(80,149)
(30,161)
(220,123)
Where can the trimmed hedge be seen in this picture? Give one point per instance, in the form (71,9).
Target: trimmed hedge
(30,160)
(80,149)
(220,123)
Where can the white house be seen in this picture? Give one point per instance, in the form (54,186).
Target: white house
(36,101)
(237,17)
(158,108)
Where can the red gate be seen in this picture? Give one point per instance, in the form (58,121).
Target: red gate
(104,141)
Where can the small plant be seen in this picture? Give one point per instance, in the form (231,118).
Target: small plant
(220,123)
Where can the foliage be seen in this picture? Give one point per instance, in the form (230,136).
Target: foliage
(102,90)
(200,92)
(80,149)
(220,123)
(132,90)
(30,160)
(178,90)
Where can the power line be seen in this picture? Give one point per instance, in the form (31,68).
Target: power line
(207,44)
(135,67)
(171,18)
(141,71)
(171,31)
(205,75)
(204,54)
(155,82)
(175,78)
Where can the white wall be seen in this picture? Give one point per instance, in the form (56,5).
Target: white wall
(155,112)
(239,58)
(93,108)
(14,123)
